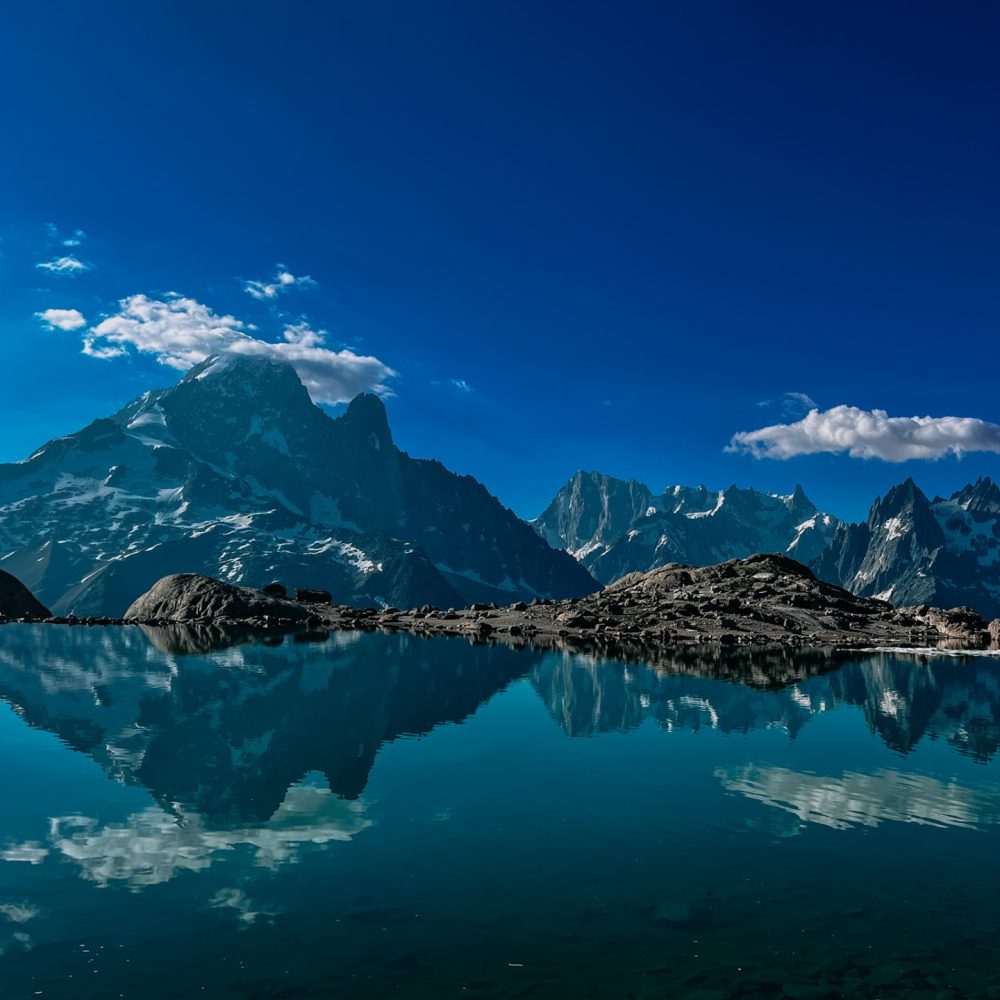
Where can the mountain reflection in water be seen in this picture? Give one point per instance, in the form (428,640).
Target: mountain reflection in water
(369,814)
(228,735)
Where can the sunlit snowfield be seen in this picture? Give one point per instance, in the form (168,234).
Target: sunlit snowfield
(377,815)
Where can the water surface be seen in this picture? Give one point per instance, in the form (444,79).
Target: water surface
(368,815)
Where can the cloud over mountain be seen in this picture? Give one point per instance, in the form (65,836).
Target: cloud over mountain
(869,434)
(180,332)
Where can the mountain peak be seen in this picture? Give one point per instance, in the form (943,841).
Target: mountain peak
(983,495)
(904,494)
(228,364)
(799,502)
(366,414)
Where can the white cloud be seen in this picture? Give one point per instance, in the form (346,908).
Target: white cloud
(869,434)
(181,332)
(791,404)
(93,350)
(62,319)
(72,240)
(63,265)
(282,281)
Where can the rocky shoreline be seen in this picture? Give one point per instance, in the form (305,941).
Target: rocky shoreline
(761,601)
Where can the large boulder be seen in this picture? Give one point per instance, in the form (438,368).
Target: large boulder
(16,601)
(994,631)
(191,597)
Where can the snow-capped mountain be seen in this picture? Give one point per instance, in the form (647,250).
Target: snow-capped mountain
(615,526)
(912,550)
(235,473)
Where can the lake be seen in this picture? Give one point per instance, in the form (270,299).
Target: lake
(369,815)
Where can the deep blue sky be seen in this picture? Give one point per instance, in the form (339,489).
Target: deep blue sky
(622,226)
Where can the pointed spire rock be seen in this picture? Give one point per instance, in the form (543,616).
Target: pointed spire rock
(366,415)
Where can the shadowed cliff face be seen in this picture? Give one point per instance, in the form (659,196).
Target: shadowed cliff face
(912,550)
(615,527)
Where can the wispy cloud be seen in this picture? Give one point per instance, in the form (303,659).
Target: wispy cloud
(790,404)
(458,384)
(282,281)
(63,265)
(62,319)
(74,239)
(180,332)
(869,434)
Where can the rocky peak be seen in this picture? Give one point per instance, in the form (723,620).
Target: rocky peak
(799,503)
(366,420)
(233,367)
(906,505)
(983,496)
(591,509)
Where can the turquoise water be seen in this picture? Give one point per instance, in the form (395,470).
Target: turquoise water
(372,816)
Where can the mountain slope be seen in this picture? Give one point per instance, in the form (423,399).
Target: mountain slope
(912,550)
(616,526)
(235,473)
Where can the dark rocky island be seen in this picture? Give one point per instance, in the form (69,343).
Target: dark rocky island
(764,600)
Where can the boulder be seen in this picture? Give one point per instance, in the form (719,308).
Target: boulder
(191,597)
(275,590)
(307,596)
(16,601)
(994,630)
(956,623)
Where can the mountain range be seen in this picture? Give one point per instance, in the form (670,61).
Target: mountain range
(615,526)
(235,473)
(910,550)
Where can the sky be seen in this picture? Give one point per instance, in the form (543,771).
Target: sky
(643,239)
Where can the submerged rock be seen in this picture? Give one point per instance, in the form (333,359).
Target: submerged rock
(191,597)
(16,601)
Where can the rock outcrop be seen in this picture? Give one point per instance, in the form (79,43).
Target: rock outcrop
(16,601)
(765,600)
(191,597)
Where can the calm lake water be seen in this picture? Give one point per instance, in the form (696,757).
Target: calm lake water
(370,816)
